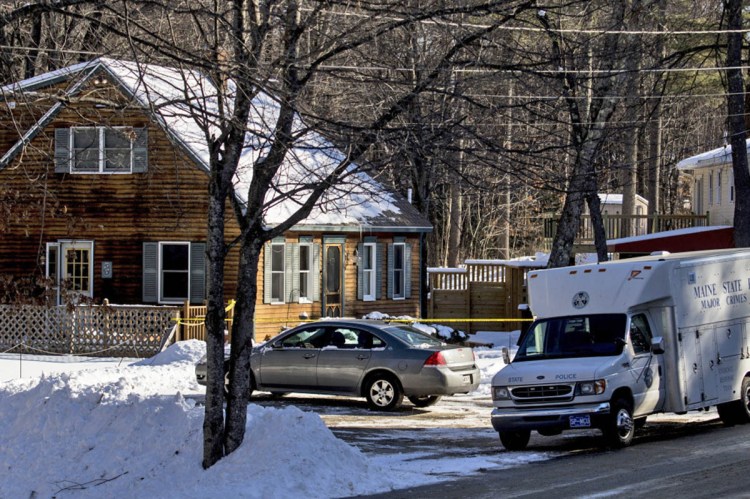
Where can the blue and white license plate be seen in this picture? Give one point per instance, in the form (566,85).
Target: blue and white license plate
(580,421)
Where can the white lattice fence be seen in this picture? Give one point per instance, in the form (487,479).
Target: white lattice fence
(114,330)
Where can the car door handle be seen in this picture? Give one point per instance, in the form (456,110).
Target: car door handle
(309,355)
(363,357)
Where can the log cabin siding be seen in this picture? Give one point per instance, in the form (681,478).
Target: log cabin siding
(118,212)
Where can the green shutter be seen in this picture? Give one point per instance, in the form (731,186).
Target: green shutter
(150,272)
(62,150)
(267,273)
(140,150)
(360,272)
(197,272)
(407,270)
(379,263)
(315,277)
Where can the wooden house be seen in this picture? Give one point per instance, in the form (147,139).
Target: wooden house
(104,191)
(713,183)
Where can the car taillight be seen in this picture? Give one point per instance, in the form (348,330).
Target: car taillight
(436,359)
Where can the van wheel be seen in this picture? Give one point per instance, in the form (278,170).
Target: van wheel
(737,411)
(620,428)
(515,439)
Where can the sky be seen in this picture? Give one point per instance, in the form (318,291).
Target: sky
(77,427)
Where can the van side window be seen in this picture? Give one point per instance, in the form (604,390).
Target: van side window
(640,334)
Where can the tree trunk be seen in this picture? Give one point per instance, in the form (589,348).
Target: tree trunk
(737,131)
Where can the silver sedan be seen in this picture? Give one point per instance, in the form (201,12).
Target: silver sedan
(376,360)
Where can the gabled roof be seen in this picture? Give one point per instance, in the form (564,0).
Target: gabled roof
(714,157)
(180,100)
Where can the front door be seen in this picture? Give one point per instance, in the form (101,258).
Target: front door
(71,264)
(333,281)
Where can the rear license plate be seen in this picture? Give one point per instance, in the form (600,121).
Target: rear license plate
(466,379)
(580,421)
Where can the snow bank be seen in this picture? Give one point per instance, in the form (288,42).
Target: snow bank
(129,432)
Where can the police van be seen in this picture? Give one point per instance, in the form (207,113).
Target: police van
(617,341)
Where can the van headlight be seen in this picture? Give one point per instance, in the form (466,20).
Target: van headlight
(500,393)
(591,387)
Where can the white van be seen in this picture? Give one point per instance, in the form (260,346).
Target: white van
(617,341)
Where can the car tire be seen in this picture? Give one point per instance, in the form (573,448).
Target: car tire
(383,393)
(620,427)
(514,440)
(737,411)
(425,401)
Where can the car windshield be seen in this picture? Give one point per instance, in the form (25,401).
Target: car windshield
(413,337)
(580,336)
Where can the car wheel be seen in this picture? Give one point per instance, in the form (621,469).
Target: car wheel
(737,411)
(515,439)
(383,393)
(425,401)
(620,428)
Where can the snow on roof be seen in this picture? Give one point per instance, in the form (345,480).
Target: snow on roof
(187,104)
(608,198)
(719,156)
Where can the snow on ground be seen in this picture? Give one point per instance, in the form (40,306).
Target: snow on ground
(77,427)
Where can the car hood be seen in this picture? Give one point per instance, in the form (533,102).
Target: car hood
(553,371)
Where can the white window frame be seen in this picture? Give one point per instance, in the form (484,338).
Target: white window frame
(399,273)
(710,188)
(307,298)
(282,272)
(160,270)
(102,159)
(370,275)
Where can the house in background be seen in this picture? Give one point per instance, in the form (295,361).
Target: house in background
(104,184)
(713,183)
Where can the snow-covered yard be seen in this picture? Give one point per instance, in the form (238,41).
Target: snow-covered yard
(75,427)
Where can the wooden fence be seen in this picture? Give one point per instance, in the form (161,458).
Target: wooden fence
(109,331)
(192,322)
(481,289)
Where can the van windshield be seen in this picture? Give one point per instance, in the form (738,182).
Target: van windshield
(579,336)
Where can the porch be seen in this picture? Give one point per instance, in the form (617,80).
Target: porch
(619,226)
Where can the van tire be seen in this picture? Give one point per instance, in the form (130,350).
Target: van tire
(737,411)
(515,439)
(620,427)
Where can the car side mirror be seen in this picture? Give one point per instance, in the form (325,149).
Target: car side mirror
(276,345)
(657,345)
(506,355)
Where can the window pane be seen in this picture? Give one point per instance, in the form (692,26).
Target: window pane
(367,258)
(174,257)
(367,284)
(333,271)
(304,257)
(277,286)
(86,149)
(116,150)
(398,288)
(303,285)
(277,257)
(398,256)
(175,285)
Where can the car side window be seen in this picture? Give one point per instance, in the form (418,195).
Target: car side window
(640,334)
(314,337)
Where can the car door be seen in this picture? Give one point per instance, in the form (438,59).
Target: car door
(343,362)
(290,362)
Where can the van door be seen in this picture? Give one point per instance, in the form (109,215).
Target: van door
(646,368)
(699,362)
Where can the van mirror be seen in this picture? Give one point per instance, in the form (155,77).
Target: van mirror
(506,355)
(657,345)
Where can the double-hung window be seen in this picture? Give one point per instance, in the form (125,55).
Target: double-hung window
(277,273)
(369,265)
(305,268)
(101,150)
(174,272)
(399,270)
